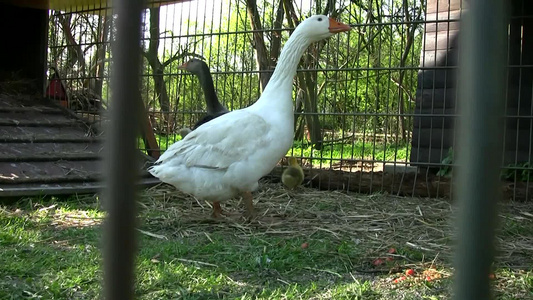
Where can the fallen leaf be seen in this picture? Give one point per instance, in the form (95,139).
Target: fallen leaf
(399,279)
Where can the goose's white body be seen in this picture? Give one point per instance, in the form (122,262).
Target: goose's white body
(219,165)
(229,154)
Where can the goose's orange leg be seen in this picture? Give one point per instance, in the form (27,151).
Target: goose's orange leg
(249,205)
(217,210)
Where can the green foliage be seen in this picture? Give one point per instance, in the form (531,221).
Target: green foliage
(360,69)
(519,172)
(358,150)
(50,248)
(447,161)
(358,85)
(512,172)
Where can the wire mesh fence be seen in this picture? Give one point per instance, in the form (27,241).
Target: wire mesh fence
(375,109)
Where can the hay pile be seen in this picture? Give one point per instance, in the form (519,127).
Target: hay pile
(375,222)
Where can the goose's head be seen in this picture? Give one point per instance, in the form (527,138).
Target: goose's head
(319,27)
(195,66)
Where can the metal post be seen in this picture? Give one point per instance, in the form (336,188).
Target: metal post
(121,160)
(482,99)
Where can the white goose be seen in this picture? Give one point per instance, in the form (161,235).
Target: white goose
(228,155)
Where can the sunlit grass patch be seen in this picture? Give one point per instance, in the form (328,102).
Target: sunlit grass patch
(308,244)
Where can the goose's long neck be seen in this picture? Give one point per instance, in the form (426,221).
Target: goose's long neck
(211,99)
(283,76)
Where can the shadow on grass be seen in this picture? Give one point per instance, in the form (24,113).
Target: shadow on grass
(51,250)
(313,247)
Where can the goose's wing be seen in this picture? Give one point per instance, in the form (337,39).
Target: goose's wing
(208,118)
(221,142)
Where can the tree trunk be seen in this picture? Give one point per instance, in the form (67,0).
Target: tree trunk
(308,81)
(101,53)
(401,103)
(94,81)
(264,59)
(75,53)
(156,65)
(275,46)
(298,126)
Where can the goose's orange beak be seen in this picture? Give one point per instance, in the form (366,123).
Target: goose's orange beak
(336,27)
(184,66)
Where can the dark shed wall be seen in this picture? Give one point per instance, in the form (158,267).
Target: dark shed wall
(433,126)
(24,35)
(436,91)
(519,126)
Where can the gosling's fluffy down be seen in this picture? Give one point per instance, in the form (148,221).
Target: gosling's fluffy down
(184,131)
(293,175)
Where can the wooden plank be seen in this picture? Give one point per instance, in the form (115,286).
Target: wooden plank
(426,185)
(437,137)
(45,149)
(434,122)
(516,157)
(34,116)
(22,100)
(436,98)
(513,98)
(48,172)
(436,155)
(428,155)
(435,111)
(43,133)
(442,40)
(56,179)
(31,109)
(451,15)
(409,184)
(518,139)
(439,78)
(434,6)
(49,139)
(50,157)
(19,171)
(433,137)
(432,58)
(51,179)
(41,122)
(523,123)
(441,26)
(38,189)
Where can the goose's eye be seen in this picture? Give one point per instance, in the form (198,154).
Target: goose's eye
(319,19)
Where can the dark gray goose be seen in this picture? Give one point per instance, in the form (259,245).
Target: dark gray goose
(214,107)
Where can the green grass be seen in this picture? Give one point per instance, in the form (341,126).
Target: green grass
(359,150)
(51,249)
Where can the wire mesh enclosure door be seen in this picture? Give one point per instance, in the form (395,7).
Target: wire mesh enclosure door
(375,110)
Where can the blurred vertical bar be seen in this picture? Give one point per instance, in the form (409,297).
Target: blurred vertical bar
(121,160)
(482,87)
